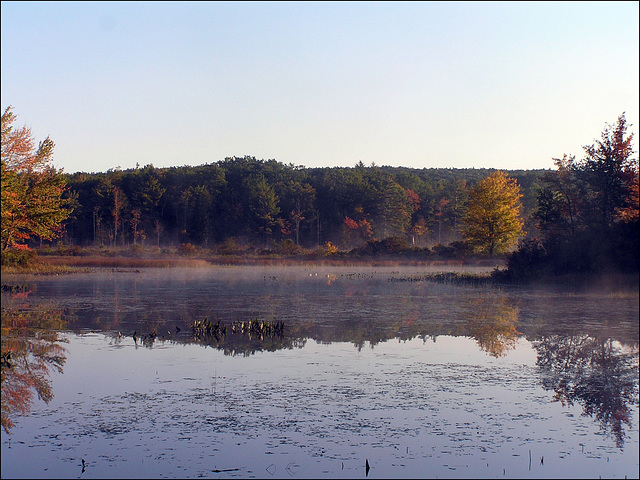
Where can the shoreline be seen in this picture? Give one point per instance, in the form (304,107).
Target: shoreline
(58,263)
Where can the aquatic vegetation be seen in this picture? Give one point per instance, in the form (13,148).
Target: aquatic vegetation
(256,328)
(243,337)
(19,288)
(206,328)
(448,278)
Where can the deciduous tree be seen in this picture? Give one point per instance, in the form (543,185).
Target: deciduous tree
(492,222)
(609,171)
(588,209)
(33,191)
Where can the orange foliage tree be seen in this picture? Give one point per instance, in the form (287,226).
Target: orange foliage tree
(33,201)
(30,350)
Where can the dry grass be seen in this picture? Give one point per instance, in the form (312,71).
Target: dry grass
(123,262)
(40,268)
(56,263)
(86,259)
(338,261)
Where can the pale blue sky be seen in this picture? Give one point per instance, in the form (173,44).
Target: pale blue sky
(416,84)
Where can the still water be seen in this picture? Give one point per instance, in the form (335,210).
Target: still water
(372,366)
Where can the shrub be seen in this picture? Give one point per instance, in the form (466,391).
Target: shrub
(186,249)
(443,251)
(528,261)
(388,246)
(288,247)
(228,247)
(68,250)
(461,249)
(394,245)
(330,249)
(46,250)
(20,255)
(136,249)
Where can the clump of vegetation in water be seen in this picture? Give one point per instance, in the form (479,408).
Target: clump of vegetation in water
(206,328)
(449,278)
(258,328)
(203,329)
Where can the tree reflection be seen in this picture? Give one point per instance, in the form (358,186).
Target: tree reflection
(30,348)
(492,323)
(598,373)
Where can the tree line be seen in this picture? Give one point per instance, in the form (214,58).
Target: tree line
(263,202)
(582,216)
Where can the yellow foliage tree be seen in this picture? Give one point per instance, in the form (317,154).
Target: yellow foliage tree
(492,222)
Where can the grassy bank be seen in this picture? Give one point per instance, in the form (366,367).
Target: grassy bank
(53,263)
(40,268)
(75,259)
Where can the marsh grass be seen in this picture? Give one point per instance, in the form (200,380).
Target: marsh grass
(123,262)
(340,261)
(70,264)
(41,268)
(449,278)
(67,259)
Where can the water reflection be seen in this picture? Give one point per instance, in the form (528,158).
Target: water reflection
(583,359)
(492,323)
(597,373)
(30,350)
(490,320)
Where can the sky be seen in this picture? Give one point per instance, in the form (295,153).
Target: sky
(508,85)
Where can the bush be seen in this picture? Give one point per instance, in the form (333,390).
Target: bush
(461,249)
(186,249)
(395,245)
(228,247)
(528,261)
(288,247)
(388,246)
(68,250)
(18,255)
(136,250)
(443,251)
(330,249)
(46,250)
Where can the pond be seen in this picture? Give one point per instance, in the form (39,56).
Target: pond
(323,372)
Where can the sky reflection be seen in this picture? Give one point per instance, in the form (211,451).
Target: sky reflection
(412,408)
(418,379)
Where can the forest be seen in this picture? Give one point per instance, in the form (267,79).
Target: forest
(246,202)
(581,217)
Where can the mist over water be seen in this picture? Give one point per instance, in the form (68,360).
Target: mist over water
(421,379)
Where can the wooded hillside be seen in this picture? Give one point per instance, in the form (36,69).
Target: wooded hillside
(244,200)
